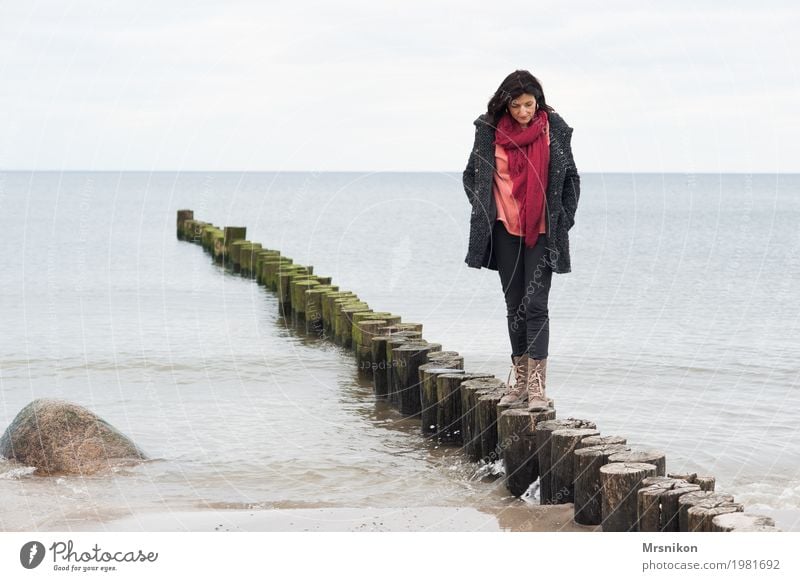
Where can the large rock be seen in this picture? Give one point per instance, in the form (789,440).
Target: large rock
(58,437)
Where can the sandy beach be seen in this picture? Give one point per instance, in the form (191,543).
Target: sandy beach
(414,519)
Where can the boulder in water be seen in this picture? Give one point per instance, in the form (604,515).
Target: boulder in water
(59,437)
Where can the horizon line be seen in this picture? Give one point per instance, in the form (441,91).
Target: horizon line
(580,172)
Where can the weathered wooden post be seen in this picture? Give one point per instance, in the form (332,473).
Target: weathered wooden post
(620,483)
(587,461)
(601,440)
(544,431)
(471,392)
(395,340)
(708,505)
(183,215)
(230,235)
(447,407)
(654,457)
(562,447)
(427,378)
(658,503)
(408,358)
(742,522)
(515,428)
(365,329)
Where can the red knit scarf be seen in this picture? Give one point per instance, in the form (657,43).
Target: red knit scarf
(528,163)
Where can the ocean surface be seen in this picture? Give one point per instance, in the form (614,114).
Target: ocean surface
(678,328)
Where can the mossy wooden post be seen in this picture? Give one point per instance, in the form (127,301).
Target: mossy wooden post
(261,258)
(428,372)
(361,342)
(183,215)
(562,446)
(543,431)
(394,341)
(328,314)
(347,313)
(518,441)
(209,232)
(655,457)
(742,522)
(363,332)
(247,259)
(658,503)
(297,290)
(284,279)
(620,483)
(408,358)
(230,235)
(196,234)
(272,268)
(314,307)
(471,391)
(438,362)
(219,247)
(236,254)
(587,462)
(448,411)
(702,498)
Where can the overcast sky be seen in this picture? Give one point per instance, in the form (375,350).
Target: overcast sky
(692,86)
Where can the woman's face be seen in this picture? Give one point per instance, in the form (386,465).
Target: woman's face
(522,108)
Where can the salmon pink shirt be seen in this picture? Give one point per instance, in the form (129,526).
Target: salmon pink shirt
(507,208)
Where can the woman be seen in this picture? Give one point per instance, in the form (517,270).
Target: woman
(524,187)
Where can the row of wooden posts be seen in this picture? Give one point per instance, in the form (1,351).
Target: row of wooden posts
(610,483)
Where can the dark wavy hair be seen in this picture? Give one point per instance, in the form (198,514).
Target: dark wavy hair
(517,83)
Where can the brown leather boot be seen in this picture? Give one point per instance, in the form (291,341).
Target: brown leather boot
(518,392)
(537,372)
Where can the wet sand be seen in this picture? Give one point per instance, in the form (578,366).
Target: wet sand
(414,519)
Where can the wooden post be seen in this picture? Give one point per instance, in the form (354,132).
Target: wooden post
(620,483)
(471,391)
(742,522)
(447,407)
(658,503)
(363,332)
(702,498)
(409,357)
(655,457)
(183,215)
(587,462)
(429,374)
(428,398)
(486,425)
(230,235)
(700,516)
(562,446)
(313,307)
(515,429)
(601,440)
(543,431)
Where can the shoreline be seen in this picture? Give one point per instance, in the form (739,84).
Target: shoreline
(555,518)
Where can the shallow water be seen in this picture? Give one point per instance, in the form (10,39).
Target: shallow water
(677,328)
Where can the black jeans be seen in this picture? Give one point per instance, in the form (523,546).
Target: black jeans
(525,277)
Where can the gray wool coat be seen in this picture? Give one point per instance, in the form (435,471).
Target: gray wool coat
(563,191)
